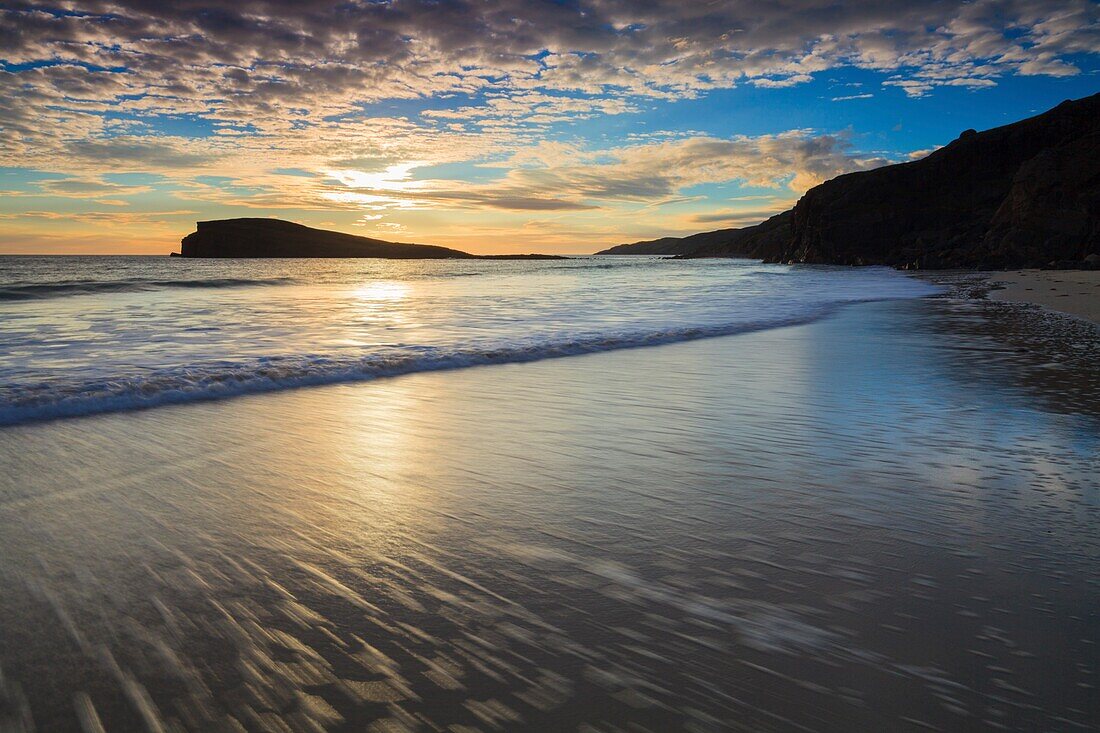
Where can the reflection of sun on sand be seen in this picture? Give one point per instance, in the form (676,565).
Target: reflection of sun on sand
(1076,292)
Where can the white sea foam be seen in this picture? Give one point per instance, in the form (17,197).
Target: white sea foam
(125,346)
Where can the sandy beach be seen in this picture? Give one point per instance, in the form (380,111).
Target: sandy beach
(564,367)
(1075,292)
(883,520)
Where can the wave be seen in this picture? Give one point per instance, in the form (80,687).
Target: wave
(600,266)
(35,291)
(46,401)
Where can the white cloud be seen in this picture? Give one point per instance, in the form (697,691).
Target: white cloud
(92,86)
(278,66)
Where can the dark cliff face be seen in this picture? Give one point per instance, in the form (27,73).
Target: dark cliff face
(673,245)
(759,241)
(1022,195)
(276,238)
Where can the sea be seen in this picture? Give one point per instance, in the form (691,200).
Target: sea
(83,335)
(405,496)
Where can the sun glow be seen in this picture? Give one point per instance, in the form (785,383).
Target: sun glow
(394,178)
(377,189)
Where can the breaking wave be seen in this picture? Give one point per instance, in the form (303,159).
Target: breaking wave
(214,380)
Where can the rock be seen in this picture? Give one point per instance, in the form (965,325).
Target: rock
(277,238)
(1022,195)
(253,238)
(756,241)
(1015,196)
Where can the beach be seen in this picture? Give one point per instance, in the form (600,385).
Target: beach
(564,367)
(882,519)
(1075,292)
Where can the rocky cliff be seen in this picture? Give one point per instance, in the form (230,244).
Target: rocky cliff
(675,245)
(276,238)
(1022,195)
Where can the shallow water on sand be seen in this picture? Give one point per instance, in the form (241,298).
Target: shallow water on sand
(885,520)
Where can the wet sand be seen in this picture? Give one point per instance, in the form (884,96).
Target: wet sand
(1076,292)
(885,520)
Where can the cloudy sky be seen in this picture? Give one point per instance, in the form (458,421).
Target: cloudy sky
(493,126)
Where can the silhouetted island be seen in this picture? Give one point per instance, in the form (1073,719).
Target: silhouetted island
(1023,195)
(254,237)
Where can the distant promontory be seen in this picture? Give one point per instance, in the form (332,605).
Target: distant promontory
(1023,195)
(255,237)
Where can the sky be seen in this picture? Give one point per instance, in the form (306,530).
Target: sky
(496,126)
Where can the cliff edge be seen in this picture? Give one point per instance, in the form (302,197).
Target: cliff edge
(277,238)
(1022,195)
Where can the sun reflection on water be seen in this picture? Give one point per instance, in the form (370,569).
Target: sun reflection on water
(382,291)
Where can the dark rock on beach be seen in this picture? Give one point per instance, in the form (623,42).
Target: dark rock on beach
(1023,195)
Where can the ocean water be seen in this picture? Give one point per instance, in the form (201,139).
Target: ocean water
(83,335)
(881,516)
(881,520)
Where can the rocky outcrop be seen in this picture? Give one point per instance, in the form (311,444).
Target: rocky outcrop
(759,241)
(1022,195)
(753,242)
(277,238)
(1053,206)
(675,245)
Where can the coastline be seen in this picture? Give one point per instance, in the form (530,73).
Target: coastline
(225,328)
(695,532)
(1070,292)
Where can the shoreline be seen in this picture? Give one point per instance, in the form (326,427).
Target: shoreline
(718,527)
(307,340)
(1074,293)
